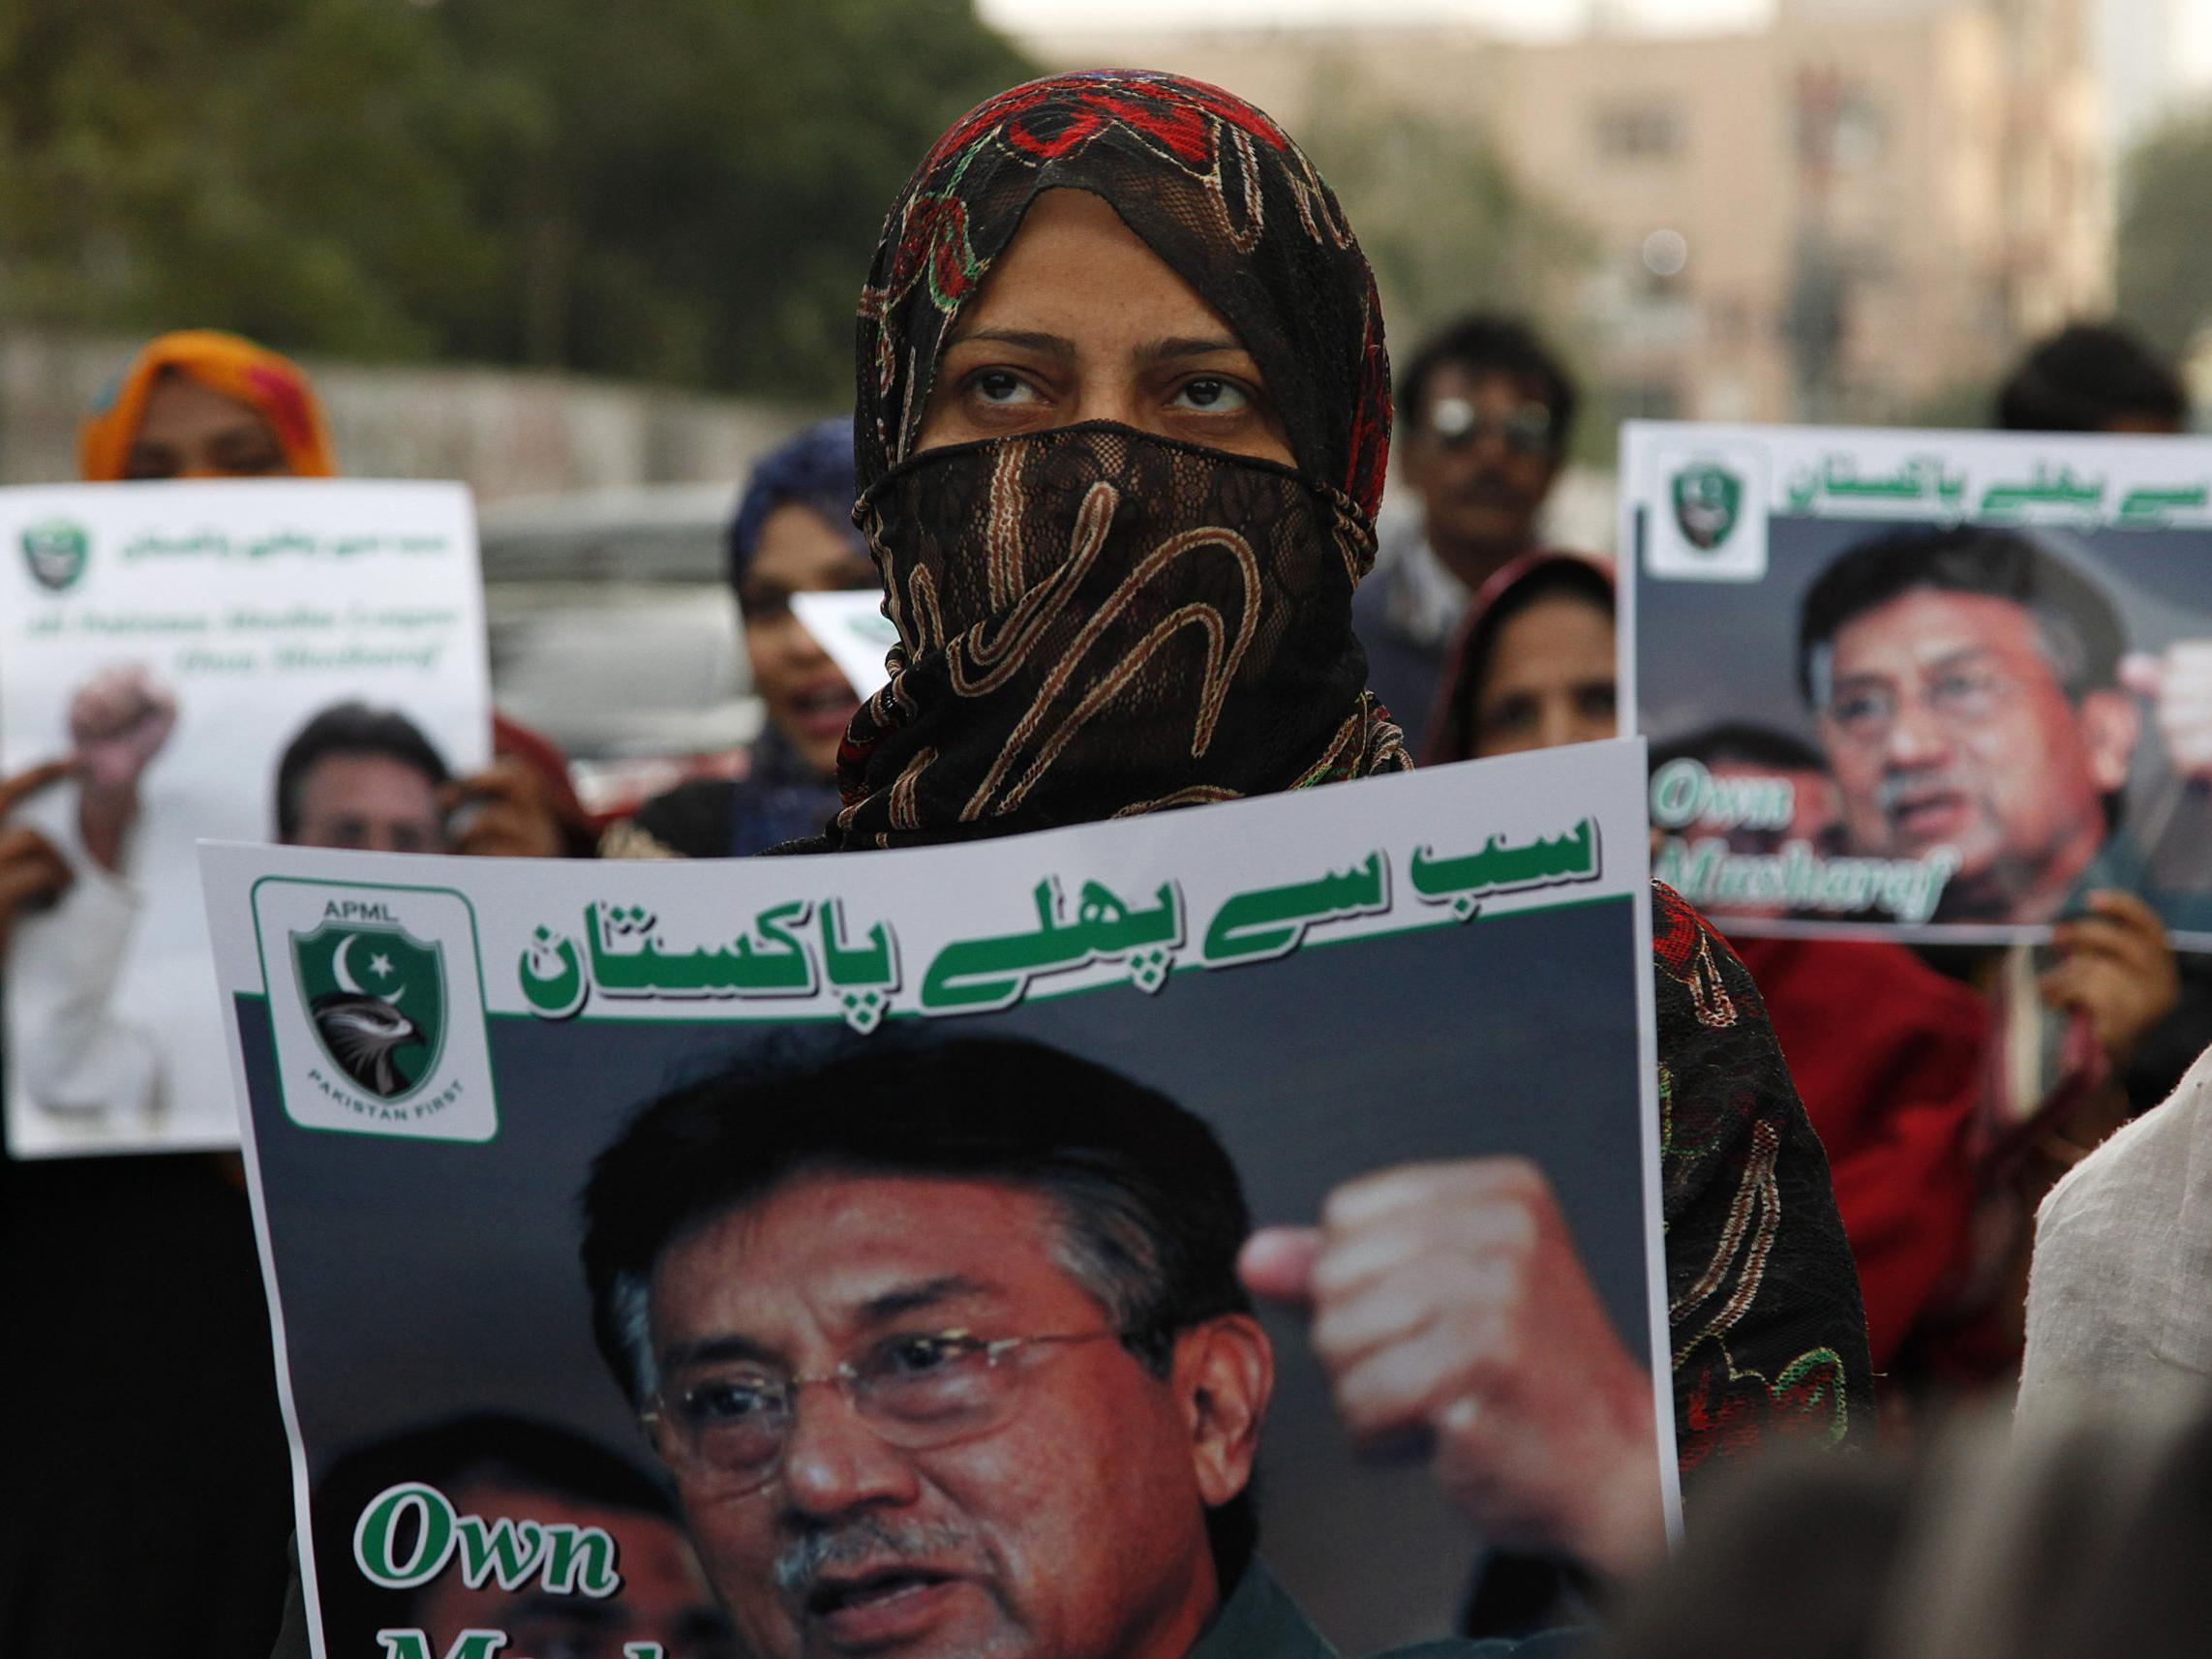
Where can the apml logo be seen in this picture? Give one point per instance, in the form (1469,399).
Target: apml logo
(377,997)
(1707,520)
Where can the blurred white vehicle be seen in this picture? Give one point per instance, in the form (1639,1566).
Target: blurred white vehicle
(612,631)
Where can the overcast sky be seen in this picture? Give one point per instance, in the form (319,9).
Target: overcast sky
(2156,54)
(1537,17)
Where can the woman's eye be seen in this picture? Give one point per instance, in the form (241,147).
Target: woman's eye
(763,604)
(998,386)
(247,454)
(1510,714)
(1214,396)
(150,463)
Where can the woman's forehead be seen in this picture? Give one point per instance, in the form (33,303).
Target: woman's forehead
(180,402)
(1074,272)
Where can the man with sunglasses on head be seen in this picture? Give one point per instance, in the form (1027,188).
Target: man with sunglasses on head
(945,1347)
(1484,412)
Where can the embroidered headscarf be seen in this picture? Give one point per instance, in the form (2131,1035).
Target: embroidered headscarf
(1092,621)
(271,386)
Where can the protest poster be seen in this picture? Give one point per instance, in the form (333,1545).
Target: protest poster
(431,1053)
(853,632)
(179,641)
(1931,685)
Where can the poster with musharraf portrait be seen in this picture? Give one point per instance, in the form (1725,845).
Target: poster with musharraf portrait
(1932,684)
(855,1254)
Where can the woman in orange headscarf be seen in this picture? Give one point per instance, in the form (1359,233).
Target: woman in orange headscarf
(163,1248)
(194,404)
(203,403)
(199,403)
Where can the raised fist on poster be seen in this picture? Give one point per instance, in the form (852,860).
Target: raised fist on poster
(2178,684)
(117,724)
(1450,1308)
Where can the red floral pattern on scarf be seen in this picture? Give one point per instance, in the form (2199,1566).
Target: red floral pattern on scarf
(1210,183)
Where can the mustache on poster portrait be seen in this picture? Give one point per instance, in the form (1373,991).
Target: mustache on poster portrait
(868,1542)
(1899,788)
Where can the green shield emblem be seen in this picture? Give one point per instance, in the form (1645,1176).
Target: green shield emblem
(376,996)
(56,553)
(1709,500)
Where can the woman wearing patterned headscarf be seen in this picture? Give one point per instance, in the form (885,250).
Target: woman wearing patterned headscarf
(1121,491)
(1123,418)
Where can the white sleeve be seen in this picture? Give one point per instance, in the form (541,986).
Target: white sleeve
(71,1053)
(2117,1307)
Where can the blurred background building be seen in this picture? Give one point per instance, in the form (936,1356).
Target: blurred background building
(1855,211)
(542,248)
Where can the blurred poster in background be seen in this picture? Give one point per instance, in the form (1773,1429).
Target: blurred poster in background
(434,1052)
(852,631)
(179,641)
(1932,684)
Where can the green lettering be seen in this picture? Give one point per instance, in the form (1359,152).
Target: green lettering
(512,1552)
(580,1560)
(376,1536)
(415,1644)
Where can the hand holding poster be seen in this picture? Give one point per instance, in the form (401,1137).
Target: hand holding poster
(1940,683)
(914,1186)
(285,659)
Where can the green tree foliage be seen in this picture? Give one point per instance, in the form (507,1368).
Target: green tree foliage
(2165,228)
(680,189)
(705,179)
(294,170)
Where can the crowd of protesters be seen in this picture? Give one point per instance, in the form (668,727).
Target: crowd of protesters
(1213,344)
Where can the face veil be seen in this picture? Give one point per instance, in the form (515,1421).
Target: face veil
(1094,621)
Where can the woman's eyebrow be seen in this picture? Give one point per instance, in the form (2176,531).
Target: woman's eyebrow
(1055,346)
(1180,346)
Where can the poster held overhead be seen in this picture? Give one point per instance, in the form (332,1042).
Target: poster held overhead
(1935,685)
(285,659)
(934,1095)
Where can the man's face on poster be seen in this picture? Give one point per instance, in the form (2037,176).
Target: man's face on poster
(1066,1521)
(664,1596)
(1947,726)
(369,801)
